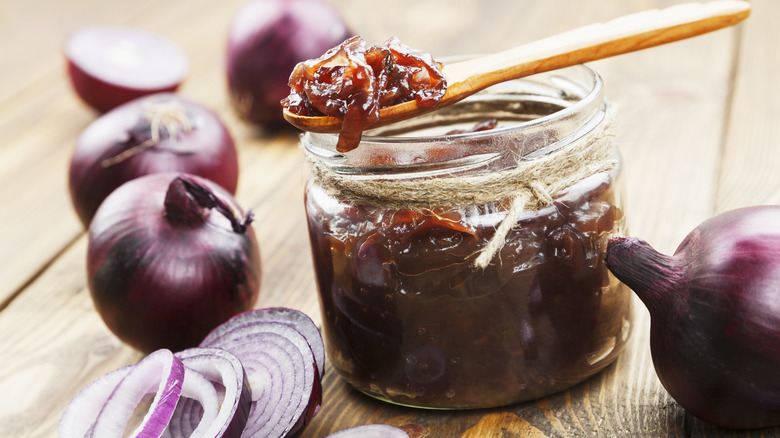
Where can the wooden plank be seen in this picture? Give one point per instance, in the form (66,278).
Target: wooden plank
(749,168)
(750,173)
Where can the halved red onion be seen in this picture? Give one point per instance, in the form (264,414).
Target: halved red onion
(282,372)
(370,431)
(294,318)
(226,373)
(160,370)
(111,65)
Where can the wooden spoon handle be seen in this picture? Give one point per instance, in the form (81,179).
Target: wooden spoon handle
(597,41)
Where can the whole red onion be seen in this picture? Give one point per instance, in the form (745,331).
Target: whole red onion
(267,39)
(715,315)
(169,259)
(159,133)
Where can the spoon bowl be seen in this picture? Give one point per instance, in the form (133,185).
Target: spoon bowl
(626,34)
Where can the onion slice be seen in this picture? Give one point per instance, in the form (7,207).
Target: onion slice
(198,407)
(294,318)
(80,414)
(224,371)
(370,431)
(282,372)
(160,369)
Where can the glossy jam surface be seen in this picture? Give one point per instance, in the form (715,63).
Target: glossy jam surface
(409,319)
(353,82)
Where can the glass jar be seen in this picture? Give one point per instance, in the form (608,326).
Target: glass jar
(409,314)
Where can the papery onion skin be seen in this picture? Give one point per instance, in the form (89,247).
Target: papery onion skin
(715,315)
(96,167)
(267,39)
(158,284)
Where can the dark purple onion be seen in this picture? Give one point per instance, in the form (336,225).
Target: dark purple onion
(169,259)
(267,39)
(159,133)
(715,315)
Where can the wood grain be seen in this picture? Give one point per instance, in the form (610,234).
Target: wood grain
(697,127)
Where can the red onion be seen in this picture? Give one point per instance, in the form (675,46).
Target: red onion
(370,431)
(168,260)
(267,39)
(282,371)
(111,65)
(160,133)
(715,315)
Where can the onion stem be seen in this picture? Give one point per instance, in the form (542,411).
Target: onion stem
(186,199)
(651,275)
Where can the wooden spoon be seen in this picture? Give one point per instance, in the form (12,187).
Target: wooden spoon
(589,43)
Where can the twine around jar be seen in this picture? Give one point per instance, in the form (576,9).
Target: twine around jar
(531,185)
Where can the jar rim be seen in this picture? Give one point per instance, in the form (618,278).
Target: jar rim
(576,106)
(569,102)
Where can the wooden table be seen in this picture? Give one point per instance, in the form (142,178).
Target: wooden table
(698,127)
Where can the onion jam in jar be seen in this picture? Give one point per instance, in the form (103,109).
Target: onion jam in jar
(464,268)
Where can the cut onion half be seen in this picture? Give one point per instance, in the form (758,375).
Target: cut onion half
(111,65)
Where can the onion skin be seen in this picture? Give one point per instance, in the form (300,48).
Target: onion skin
(715,315)
(267,39)
(159,283)
(207,150)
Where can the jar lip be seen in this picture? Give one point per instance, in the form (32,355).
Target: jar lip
(537,115)
(592,94)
